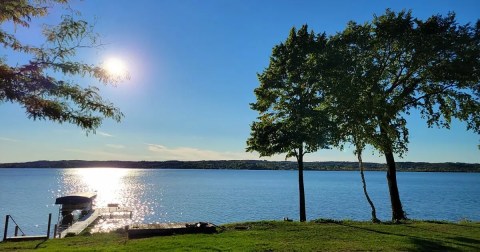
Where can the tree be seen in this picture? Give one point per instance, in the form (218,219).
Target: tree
(45,86)
(358,152)
(398,63)
(348,108)
(291,118)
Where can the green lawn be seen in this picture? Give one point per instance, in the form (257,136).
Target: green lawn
(284,236)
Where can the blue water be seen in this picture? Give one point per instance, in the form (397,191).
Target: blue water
(223,196)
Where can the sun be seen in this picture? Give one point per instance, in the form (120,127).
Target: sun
(115,67)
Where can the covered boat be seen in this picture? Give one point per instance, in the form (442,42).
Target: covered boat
(77,201)
(74,206)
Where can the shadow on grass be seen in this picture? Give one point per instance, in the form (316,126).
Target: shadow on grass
(437,231)
(40,243)
(457,240)
(466,240)
(422,244)
(467,226)
(425,244)
(461,223)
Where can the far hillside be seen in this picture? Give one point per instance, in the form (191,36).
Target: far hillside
(249,165)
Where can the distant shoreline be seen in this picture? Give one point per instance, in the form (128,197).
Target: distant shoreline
(249,165)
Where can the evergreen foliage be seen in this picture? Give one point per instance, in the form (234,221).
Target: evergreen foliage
(46,86)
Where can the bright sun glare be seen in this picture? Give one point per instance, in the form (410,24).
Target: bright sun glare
(115,67)
(107,182)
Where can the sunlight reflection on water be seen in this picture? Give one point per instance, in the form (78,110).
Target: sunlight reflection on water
(226,196)
(112,185)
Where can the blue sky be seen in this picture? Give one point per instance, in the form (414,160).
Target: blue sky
(193,67)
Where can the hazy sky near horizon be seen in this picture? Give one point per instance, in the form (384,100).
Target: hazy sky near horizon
(193,67)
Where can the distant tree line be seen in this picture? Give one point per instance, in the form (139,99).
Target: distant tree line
(248,165)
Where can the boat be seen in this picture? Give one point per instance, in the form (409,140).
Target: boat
(73,208)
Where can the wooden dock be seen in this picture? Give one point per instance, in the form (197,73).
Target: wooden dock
(80,225)
(26,238)
(161,229)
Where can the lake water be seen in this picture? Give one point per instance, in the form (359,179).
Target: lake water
(224,196)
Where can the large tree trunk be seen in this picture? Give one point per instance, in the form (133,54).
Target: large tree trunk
(303,215)
(360,164)
(397,210)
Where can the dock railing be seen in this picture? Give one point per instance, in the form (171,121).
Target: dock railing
(24,236)
(17,227)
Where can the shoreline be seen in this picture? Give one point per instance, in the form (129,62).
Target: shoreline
(248,165)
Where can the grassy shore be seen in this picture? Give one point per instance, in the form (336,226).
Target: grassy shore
(284,236)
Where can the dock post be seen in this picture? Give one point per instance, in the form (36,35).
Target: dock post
(49,223)
(16,230)
(55,231)
(6,228)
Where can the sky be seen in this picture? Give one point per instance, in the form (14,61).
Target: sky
(193,67)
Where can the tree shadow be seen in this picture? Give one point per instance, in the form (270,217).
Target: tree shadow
(457,240)
(466,240)
(422,244)
(40,243)
(427,244)
(467,226)
(474,226)
(437,231)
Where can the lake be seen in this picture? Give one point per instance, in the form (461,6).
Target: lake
(225,196)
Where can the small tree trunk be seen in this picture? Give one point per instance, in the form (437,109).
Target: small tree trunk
(303,215)
(360,164)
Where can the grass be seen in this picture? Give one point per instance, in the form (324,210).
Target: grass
(320,235)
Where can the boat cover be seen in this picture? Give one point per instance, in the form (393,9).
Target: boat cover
(77,198)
